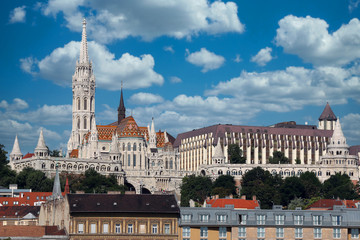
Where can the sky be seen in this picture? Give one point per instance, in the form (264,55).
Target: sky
(189,64)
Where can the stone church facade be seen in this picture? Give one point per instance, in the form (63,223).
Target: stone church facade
(150,161)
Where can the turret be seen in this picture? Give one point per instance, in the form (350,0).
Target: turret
(56,193)
(152,135)
(41,150)
(327,119)
(16,152)
(337,145)
(114,152)
(218,157)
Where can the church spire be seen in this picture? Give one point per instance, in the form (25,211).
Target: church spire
(41,149)
(56,193)
(121,108)
(84,58)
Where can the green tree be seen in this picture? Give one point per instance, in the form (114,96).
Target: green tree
(235,154)
(312,184)
(278,157)
(339,186)
(297,202)
(291,188)
(94,182)
(54,153)
(223,186)
(35,180)
(3,158)
(260,183)
(196,188)
(7,176)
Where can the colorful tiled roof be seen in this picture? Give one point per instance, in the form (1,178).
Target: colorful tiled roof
(74,153)
(238,203)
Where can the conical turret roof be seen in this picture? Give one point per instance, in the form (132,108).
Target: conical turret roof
(327,114)
(56,193)
(16,148)
(84,58)
(41,142)
(338,139)
(218,153)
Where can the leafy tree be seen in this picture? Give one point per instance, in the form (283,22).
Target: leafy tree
(223,186)
(260,183)
(196,188)
(54,153)
(94,182)
(235,154)
(297,161)
(339,186)
(311,201)
(291,188)
(3,158)
(297,202)
(34,180)
(278,157)
(312,184)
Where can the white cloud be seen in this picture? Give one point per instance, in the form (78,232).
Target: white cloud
(237,58)
(111,20)
(310,40)
(205,59)
(175,79)
(136,72)
(353,4)
(17,15)
(263,56)
(169,49)
(142,98)
(351,127)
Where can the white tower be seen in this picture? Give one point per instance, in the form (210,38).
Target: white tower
(337,145)
(83,85)
(152,135)
(41,150)
(16,152)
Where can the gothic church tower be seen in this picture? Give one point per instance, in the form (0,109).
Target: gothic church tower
(83,85)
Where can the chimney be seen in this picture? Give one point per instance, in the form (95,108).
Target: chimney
(243,197)
(231,196)
(254,198)
(216,196)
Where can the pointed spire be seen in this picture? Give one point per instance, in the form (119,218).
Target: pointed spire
(327,114)
(16,148)
(121,108)
(67,188)
(166,139)
(56,193)
(152,135)
(84,58)
(338,139)
(41,142)
(218,153)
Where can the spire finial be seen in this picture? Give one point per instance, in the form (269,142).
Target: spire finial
(56,194)
(84,50)
(16,148)
(121,108)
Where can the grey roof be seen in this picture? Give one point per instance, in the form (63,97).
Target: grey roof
(327,114)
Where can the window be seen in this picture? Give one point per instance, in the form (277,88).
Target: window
(242,232)
(337,233)
(117,228)
(336,220)
(298,220)
(129,147)
(298,232)
(134,147)
(85,104)
(154,229)
(80,228)
(204,218)
(317,220)
(186,217)
(355,233)
(105,228)
(186,233)
(261,232)
(222,232)
(134,160)
(260,219)
(167,228)
(130,228)
(279,219)
(279,232)
(242,219)
(203,232)
(221,218)
(317,233)
(129,160)
(93,228)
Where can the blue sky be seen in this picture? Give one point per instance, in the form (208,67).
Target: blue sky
(188,64)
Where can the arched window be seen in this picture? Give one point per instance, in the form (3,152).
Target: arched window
(85,103)
(171,163)
(134,160)
(129,147)
(166,163)
(78,103)
(116,169)
(134,148)
(123,146)
(139,146)
(85,121)
(78,123)
(43,165)
(91,103)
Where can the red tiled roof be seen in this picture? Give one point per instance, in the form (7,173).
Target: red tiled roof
(18,211)
(26,199)
(28,155)
(328,204)
(238,203)
(29,231)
